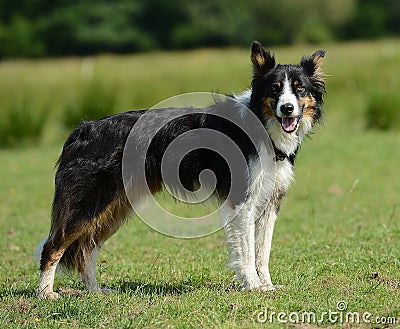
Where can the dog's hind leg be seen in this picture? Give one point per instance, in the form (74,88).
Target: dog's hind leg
(51,254)
(88,271)
(76,244)
(49,261)
(104,226)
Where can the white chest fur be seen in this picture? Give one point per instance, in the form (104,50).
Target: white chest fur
(268,180)
(277,175)
(283,175)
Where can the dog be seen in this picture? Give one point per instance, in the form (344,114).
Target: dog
(91,202)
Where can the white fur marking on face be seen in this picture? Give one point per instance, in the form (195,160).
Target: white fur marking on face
(287,96)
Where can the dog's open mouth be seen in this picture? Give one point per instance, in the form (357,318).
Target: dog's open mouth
(289,124)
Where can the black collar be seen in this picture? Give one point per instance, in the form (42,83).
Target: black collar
(281,156)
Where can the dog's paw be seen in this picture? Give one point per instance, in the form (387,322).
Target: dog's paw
(271,287)
(266,288)
(255,284)
(50,295)
(265,277)
(250,283)
(253,281)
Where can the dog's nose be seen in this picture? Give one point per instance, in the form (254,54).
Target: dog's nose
(287,109)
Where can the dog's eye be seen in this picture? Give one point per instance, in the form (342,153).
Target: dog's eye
(300,89)
(276,87)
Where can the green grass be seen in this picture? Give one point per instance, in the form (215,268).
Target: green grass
(383,111)
(338,233)
(21,124)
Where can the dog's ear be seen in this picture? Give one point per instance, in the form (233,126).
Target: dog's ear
(313,65)
(262,60)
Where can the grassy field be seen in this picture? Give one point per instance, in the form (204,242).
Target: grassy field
(337,238)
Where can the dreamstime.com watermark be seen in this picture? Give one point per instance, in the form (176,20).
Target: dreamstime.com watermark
(340,315)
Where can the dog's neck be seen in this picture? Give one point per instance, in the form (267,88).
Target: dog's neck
(280,156)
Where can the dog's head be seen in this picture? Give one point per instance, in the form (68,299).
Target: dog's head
(289,96)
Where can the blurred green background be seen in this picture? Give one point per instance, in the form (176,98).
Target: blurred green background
(35,28)
(64,61)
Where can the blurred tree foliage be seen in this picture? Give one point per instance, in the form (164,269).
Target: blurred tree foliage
(30,28)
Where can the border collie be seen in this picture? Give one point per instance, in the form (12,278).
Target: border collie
(91,201)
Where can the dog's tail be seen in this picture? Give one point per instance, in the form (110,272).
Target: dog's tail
(38,250)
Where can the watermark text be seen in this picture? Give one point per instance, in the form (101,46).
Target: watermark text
(339,315)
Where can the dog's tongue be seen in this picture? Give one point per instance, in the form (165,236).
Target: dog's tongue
(289,124)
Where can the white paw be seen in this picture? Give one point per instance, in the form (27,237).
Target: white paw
(271,287)
(249,282)
(266,287)
(265,279)
(254,283)
(47,294)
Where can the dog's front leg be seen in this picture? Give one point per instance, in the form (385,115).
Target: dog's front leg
(239,232)
(264,228)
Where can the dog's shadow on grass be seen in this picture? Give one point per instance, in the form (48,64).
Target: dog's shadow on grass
(159,289)
(130,288)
